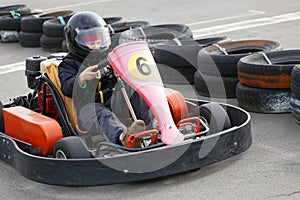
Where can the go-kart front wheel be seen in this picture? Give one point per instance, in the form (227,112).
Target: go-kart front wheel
(71,147)
(216,116)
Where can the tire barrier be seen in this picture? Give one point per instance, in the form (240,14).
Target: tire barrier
(181,58)
(295,108)
(113,20)
(269,70)
(30,39)
(177,76)
(158,34)
(205,42)
(10,25)
(295,81)
(295,89)
(17,9)
(180,28)
(124,26)
(225,56)
(117,28)
(33,25)
(263,100)
(220,87)
(51,44)
(221,59)
(53,34)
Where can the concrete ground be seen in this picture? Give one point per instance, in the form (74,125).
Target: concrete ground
(270,169)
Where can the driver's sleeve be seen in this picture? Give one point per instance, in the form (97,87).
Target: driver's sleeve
(67,75)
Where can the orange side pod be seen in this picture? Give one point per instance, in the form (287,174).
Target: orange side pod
(31,127)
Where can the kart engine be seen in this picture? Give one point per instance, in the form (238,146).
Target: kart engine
(33,70)
(46,103)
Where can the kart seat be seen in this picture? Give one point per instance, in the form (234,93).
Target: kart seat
(51,68)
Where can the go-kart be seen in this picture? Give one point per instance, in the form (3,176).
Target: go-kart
(43,145)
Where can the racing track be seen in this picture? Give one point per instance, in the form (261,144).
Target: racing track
(268,170)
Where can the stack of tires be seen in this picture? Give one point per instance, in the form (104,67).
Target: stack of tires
(178,63)
(18,8)
(10,19)
(32,27)
(157,34)
(217,75)
(265,81)
(295,97)
(53,33)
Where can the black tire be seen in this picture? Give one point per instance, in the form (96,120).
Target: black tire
(71,147)
(52,44)
(27,39)
(8,23)
(19,8)
(54,27)
(255,71)
(205,42)
(263,100)
(113,20)
(152,35)
(295,109)
(2,129)
(178,75)
(215,86)
(180,28)
(35,23)
(177,56)
(181,58)
(124,26)
(295,81)
(215,115)
(213,61)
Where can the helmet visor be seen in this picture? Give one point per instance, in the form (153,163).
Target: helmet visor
(94,37)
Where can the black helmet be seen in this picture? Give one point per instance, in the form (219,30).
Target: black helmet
(83,28)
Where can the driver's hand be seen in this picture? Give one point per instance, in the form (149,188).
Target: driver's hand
(89,73)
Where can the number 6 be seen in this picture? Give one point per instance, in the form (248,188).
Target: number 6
(143,68)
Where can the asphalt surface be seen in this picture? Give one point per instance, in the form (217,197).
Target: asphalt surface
(270,169)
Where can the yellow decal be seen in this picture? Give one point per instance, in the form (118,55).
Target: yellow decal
(140,66)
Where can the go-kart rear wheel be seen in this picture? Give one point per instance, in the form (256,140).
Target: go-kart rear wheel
(71,147)
(215,115)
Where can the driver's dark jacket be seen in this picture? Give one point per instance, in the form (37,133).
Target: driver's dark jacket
(69,70)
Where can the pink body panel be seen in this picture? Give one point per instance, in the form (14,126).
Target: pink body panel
(135,65)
